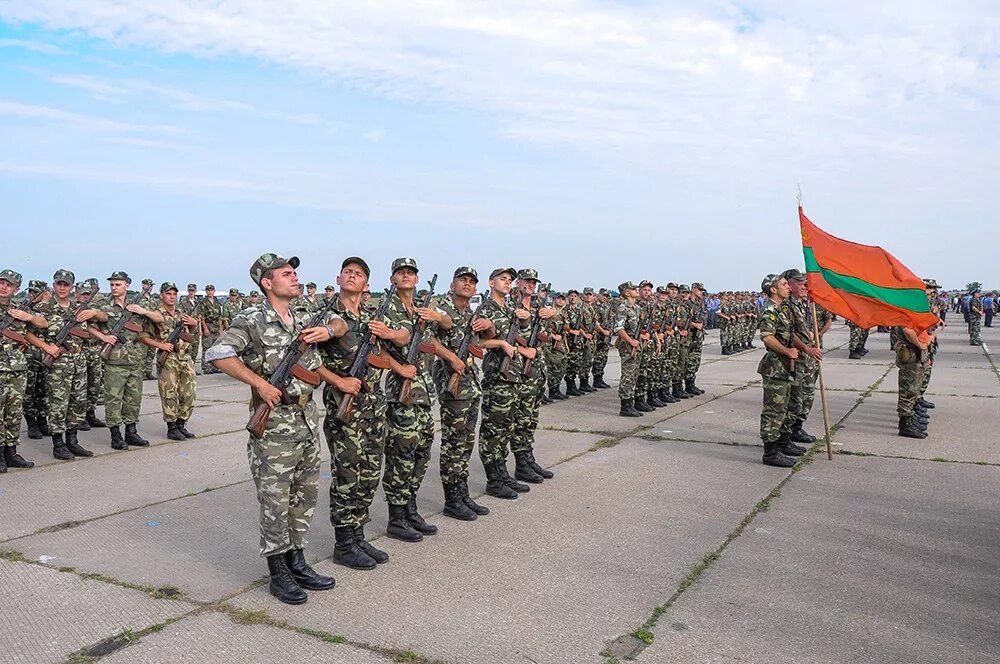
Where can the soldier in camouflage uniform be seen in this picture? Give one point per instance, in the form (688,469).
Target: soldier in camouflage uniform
(211,325)
(190,305)
(253,299)
(626,332)
(148,300)
(89,297)
(501,391)
(682,328)
(603,340)
(356,447)
(647,349)
(803,392)
(557,349)
(285,462)
(856,342)
(233,306)
(975,318)
(66,379)
(411,425)
(588,326)
(573,313)
(696,337)
(34,395)
(670,346)
(14,367)
(777,371)
(459,403)
(122,368)
(912,359)
(934,303)
(176,380)
(725,318)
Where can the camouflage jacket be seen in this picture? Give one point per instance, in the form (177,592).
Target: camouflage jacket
(774,322)
(12,357)
(56,316)
(422,387)
(795,311)
(502,316)
(588,320)
(628,320)
(211,313)
(338,356)
(127,351)
(161,331)
(230,310)
(556,325)
(468,384)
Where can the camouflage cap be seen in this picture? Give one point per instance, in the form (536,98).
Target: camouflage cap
(234,291)
(645,282)
(587,290)
(931,284)
(604,291)
(147,282)
(93,281)
(328,288)
(355,260)
(254,293)
(466,271)
(768,281)
(698,285)
(559,296)
(626,285)
(267,262)
(311,284)
(527,273)
(64,276)
(168,286)
(661,290)
(793,274)
(120,275)
(192,286)
(209,287)
(671,285)
(571,291)
(82,286)
(11,277)
(500,270)
(400,263)
(36,285)
(683,288)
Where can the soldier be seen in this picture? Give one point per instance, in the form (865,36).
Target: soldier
(285,462)
(253,300)
(356,447)
(935,305)
(176,380)
(671,347)
(88,297)
(557,350)
(459,402)
(682,327)
(588,326)
(658,340)
(14,367)
(975,318)
(806,372)
(122,368)
(726,327)
(696,338)
(34,395)
(573,314)
(501,388)
(627,340)
(190,305)
(603,341)
(148,301)
(647,348)
(411,423)
(329,293)
(776,369)
(211,325)
(912,359)
(233,306)
(856,341)
(66,379)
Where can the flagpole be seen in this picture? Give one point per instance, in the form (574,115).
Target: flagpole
(822,385)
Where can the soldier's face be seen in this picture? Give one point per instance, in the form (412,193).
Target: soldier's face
(799,289)
(7,289)
(527,286)
(589,298)
(209,292)
(573,299)
(311,290)
(62,289)
(560,302)
(284,283)
(645,291)
(118,287)
(83,297)
(147,287)
(254,299)
(351,279)
(464,286)
(169,298)
(501,283)
(405,278)
(781,288)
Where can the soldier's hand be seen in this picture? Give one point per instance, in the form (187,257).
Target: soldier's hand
(270,394)
(508,349)
(20,314)
(634,343)
(136,309)
(85,314)
(315,335)
(428,314)
(407,371)
(793,353)
(457,365)
(380,329)
(350,386)
(481,324)
(110,339)
(815,353)
(187,320)
(167,347)
(684,333)
(522,314)
(54,351)
(555,337)
(529,353)
(546,313)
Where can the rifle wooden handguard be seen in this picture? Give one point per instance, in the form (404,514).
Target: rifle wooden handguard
(476,351)
(79,332)
(133,327)
(186,338)
(16,337)
(258,421)
(426,347)
(306,375)
(379,360)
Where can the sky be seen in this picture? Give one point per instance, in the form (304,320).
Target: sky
(594,141)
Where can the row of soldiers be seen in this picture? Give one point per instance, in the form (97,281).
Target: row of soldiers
(737,315)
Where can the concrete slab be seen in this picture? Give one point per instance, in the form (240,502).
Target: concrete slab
(872,560)
(47,615)
(212,638)
(622,527)
(953,433)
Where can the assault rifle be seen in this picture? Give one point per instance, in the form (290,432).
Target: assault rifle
(367,355)
(416,346)
(467,348)
(124,323)
(7,321)
(512,338)
(642,322)
(178,334)
(69,327)
(288,368)
(536,337)
(577,338)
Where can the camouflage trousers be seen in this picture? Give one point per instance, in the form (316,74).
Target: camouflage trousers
(725,334)
(857,339)
(600,356)
(95,375)
(642,377)
(910,378)
(66,393)
(630,371)
(586,361)
(556,367)
(207,342)
(974,330)
(498,412)
(34,392)
(149,362)
(177,388)
(682,359)
(775,409)
(458,437)
(670,358)
(803,392)
(574,362)
(12,387)
(695,342)
(407,451)
(286,475)
(525,416)
(925,381)
(122,393)
(192,350)
(356,462)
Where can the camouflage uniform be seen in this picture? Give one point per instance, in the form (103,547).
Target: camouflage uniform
(803,392)
(557,352)
(233,306)
(13,374)
(628,317)
(176,380)
(66,379)
(284,463)
(682,322)
(910,361)
(148,301)
(975,319)
(858,338)
(602,342)
(92,357)
(211,314)
(776,377)
(501,394)
(696,336)
(588,320)
(574,360)
(192,307)
(122,370)
(34,393)
(672,341)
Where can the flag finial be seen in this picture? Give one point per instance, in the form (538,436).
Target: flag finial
(798,192)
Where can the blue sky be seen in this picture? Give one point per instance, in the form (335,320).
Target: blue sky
(596,141)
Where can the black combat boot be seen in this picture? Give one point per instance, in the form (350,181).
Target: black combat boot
(546,398)
(925,403)
(863,351)
(544,472)
(83,426)
(117,442)
(304,575)
(59,449)
(182,427)
(750,345)
(508,480)
(416,520)
(641,405)
(173,433)
(282,583)
(399,527)
(34,433)
(347,552)
(627,410)
(679,393)
(15,460)
(571,390)
(378,555)
(523,470)
(3,461)
(689,388)
(73,445)
(599,382)
(653,399)
(94,421)
(667,397)
(495,485)
(908,429)
(132,436)
(692,387)
(555,394)
(585,386)
(800,435)
(454,505)
(790,449)
(481,510)
(774,457)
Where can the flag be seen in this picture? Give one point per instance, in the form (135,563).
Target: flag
(862,283)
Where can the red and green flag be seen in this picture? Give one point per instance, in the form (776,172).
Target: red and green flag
(862,283)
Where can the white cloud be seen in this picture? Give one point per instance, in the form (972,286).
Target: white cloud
(31,45)
(86,123)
